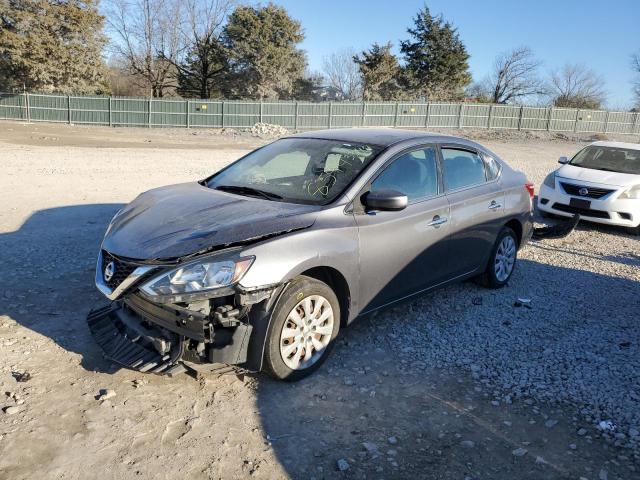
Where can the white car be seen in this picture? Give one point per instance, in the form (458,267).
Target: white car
(601,183)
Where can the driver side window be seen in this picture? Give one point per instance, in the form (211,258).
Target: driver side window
(414,174)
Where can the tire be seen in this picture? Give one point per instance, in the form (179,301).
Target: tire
(302,295)
(493,276)
(634,230)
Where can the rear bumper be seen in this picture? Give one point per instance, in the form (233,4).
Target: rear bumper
(609,210)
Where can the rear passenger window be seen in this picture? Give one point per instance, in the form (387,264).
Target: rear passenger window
(414,173)
(461,169)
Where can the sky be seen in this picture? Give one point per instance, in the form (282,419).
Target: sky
(599,34)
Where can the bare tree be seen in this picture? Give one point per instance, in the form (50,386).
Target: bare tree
(577,86)
(635,64)
(342,74)
(514,76)
(147,37)
(204,63)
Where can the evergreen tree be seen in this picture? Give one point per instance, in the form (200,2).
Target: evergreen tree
(204,71)
(263,51)
(380,73)
(52,45)
(436,59)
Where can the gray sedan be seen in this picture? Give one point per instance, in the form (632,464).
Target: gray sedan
(259,266)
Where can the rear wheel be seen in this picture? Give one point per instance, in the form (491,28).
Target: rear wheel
(304,324)
(502,261)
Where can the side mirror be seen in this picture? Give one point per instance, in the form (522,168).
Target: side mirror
(385,200)
(563,160)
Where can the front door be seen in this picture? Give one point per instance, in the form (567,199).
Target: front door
(403,252)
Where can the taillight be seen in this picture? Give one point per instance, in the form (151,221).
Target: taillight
(530,188)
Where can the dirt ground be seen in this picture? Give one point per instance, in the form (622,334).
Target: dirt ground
(385,418)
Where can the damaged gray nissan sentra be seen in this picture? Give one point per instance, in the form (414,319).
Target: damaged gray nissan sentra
(258,266)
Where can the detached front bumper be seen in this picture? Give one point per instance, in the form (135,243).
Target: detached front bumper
(140,335)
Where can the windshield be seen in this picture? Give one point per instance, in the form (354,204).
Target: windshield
(610,159)
(297,170)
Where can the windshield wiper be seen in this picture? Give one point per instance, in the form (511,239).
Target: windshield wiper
(249,191)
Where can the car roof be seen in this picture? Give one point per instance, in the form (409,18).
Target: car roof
(381,137)
(630,146)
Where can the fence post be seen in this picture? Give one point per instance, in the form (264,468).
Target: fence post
(187,107)
(26,96)
(575,123)
(426,120)
(330,111)
(606,122)
(69,109)
(363,120)
(635,123)
(260,117)
(520,117)
(550,116)
(222,121)
(395,116)
(489,117)
(295,120)
(460,115)
(110,108)
(149,115)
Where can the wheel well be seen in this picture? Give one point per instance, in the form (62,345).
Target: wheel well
(338,284)
(516,226)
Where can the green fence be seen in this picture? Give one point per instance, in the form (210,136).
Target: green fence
(148,112)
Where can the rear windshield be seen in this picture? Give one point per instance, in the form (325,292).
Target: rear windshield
(297,170)
(609,159)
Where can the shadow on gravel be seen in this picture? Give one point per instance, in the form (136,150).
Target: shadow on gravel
(47,269)
(391,414)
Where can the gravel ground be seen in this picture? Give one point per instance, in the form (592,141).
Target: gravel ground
(457,384)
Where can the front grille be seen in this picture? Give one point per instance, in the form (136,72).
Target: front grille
(592,192)
(587,212)
(121,270)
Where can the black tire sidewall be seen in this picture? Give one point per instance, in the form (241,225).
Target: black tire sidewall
(299,288)
(492,280)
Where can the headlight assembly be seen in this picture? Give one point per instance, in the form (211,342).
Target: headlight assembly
(550,180)
(631,193)
(192,279)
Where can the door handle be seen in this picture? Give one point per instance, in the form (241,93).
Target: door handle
(493,205)
(437,221)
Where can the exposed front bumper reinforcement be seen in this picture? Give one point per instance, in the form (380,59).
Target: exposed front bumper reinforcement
(559,230)
(129,348)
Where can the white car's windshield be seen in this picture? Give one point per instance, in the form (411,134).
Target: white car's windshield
(610,159)
(298,170)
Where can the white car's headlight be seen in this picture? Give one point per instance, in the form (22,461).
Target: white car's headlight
(633,192)
(550,180)
(183,282)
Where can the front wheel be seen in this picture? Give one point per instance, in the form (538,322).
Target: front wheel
(304,324)
(502,261)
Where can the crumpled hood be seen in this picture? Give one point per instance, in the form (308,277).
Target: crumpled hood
(591,175)
(178,220)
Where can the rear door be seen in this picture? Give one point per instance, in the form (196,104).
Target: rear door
(404,252)
(476,200)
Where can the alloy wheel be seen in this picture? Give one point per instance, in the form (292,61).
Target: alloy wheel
(505,258)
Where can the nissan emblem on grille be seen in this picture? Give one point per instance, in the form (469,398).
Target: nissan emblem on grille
(583,191)
(109,271)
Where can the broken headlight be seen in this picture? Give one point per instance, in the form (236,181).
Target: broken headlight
(194,278)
